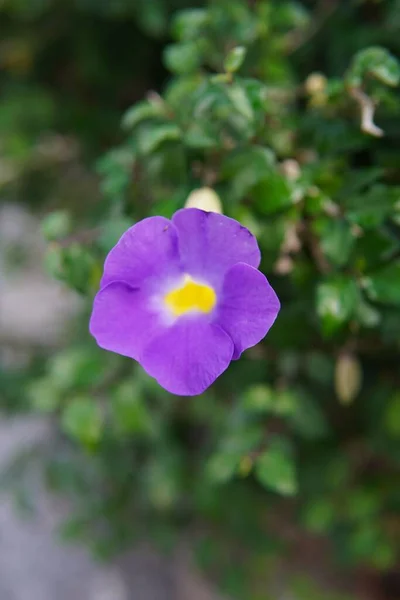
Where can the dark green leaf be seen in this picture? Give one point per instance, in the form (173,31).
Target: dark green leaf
(384,285)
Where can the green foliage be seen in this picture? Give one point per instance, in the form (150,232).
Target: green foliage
(274,469)
(259,105)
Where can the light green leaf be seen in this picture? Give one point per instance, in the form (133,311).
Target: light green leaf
(82,420)
(44,395)
(183,58)
(240,101)
(188,24)
(222,466)
(56,225)
(376,62)
(235,59)
(129,410)
(259,398)
(336,300)
(143,111)
(275,469)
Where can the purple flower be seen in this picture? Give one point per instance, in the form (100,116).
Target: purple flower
(184,298)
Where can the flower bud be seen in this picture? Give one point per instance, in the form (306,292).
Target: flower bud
(205,199)
(315,84)
(348,378)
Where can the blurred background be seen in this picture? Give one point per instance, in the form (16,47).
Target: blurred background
(282,480)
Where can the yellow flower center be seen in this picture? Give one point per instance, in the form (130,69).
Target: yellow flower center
(189,297)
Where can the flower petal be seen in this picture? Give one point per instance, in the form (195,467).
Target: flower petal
(209,243)
(188,357)
(146,250)
(122,319)
(249,307)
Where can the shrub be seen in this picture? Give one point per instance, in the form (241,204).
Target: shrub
(290,114)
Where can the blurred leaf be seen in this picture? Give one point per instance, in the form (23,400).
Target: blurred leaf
(275,469)
(336,302)
(308,419)
(235,59)
(376,62)
(319,515)
(188,23)
(112,232)
(183,58)
(44,395)
(129,409)
(76,368)
(82,420)
(151,138)
(272,194)
(384,285)
(240,101)
(246,168)
(392,417)
(222,466)
(336,240)
(259,398)
(143,111)
(371,208)
(162,481)
(56,225)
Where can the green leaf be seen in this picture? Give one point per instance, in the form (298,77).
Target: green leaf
(376,62)
(112,231)
(183,58)
(44,395)
(116,171)
(275,469)
(367,315)
(222,466)
(243,169)
(336,300)
(188,24)
(273,193)
(151,138)
(56,225)
(53,261)
(196,137)
(76,368)
(308,419)
(337,240)
(392,417)
(143,111)
(235,59)
(82,420)
(162,481)
(319,515)
(129,410)
(371,208)
(240,101)
(259,399)
(384,285)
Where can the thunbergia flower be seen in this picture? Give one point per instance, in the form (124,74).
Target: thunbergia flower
(184,297)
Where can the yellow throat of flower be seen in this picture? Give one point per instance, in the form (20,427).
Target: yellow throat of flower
(191,296)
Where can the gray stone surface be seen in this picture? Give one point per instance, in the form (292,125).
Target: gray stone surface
(34,564)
